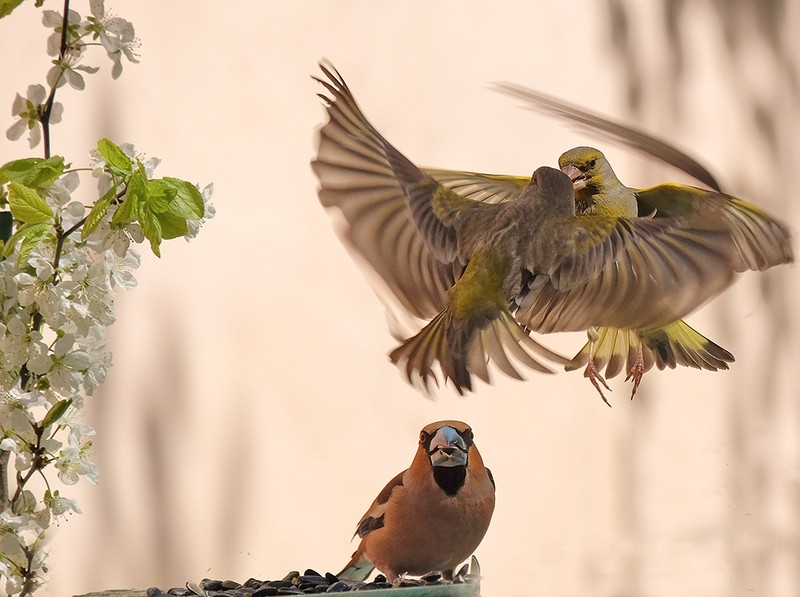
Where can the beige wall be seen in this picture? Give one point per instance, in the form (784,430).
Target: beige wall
(252,414)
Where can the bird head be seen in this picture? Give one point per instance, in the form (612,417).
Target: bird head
(551,188)
(447,443)
(587,168)
(448,446)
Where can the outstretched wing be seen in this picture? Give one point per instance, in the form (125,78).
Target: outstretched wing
(486,188)
(356,177)
(356,169)
(617,132)
(762,242)
(624,272)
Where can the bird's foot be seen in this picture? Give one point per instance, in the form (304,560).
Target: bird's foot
(594,376)
(636,373)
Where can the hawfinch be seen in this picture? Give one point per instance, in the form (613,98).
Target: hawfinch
(431,516)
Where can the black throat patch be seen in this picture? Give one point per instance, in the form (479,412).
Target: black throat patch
(450,478)
(584,199)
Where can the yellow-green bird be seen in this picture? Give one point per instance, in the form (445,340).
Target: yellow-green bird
(495,257)
(598,191)
(416,255)
(761,241)
(677,344)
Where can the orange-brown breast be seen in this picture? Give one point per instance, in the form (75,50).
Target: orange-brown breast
(424,529)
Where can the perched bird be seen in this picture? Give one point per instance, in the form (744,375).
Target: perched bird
(432,516)
(491,258)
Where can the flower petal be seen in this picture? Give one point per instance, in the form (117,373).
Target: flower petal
(97,8)
(19,105)
(51,18)
(74,79)
(56,112)
(35,136)
(15,131)
(36,94)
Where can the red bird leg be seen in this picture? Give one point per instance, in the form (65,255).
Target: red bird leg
(591,369)
(637,370)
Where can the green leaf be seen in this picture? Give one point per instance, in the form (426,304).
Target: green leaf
(6,225)
(98,211)
(116,159)
(151,227)
(188,201)
(56,412)
(30,235)
(172,226)
(37,233)
(6,6)
(160,194)
(27,206)
(134,195)
(33,172)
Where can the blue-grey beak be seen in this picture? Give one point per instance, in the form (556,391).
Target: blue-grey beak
(448,448)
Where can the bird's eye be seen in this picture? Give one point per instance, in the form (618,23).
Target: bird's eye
(593,163)
(423,437)
(468,436)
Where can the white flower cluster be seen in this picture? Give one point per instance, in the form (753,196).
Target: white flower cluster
(60,264)
(117,37)
(56,303)
(53,319)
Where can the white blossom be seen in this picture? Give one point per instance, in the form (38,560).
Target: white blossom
(19,342)
(68,69)
(73,462)
(60,192)
(60,506)
(54,20)
(48,298)
(56,303)
(24,527)
(28,111)
(121,268)
(209,211)
(117,36)
(9,444)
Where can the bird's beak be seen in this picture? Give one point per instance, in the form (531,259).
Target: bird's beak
(577,177)
(447,448)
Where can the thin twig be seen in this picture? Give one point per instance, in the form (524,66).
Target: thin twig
(29,575)
(38,463)
(4,456)
(48,106)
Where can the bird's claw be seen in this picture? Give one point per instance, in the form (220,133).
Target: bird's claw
(636,373)
(594,376)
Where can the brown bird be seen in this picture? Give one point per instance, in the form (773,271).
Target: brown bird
(490,258)
(432,516)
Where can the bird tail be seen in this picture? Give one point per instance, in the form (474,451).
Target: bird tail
(464,348)
(672,345)
(358,568)
(680,344)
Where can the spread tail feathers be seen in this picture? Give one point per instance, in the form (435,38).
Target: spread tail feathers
(358,568)
(464,348)
(670,346)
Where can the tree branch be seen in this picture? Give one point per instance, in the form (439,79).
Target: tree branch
(48,106)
